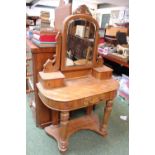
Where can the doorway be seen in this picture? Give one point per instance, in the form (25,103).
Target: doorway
(105,20)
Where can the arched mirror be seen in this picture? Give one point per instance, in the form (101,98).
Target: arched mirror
(79,42)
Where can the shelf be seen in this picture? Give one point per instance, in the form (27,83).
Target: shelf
(116,59)
(85,39)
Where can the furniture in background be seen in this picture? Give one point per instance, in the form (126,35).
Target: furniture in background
(119,60)
(116,59)
(36,57)
(119,65)
(101,35)
(81,82)
(111,32)
(31,20)
(105,20)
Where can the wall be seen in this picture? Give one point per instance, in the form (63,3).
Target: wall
(36,11)
(120,19)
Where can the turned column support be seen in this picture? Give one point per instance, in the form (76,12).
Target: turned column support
(106,116)
(89,110)
(63,142)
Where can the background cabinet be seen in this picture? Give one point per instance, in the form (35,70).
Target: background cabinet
(36,57)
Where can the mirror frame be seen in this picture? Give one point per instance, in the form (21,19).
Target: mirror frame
(64,40)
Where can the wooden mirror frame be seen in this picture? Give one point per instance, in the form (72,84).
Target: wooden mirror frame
(64,42)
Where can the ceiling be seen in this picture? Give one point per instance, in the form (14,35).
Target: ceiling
(115,2)
(55,3)
(28,1)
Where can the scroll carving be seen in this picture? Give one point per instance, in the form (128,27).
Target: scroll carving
(83,9)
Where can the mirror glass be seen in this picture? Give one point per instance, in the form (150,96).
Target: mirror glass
(80,42)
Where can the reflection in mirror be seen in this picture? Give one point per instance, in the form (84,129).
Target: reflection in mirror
(80,42)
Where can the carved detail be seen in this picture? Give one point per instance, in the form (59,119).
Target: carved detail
(82,9)
(54,64)
(95,99)
(102,97)
(62,145)
(64,117)
(89,101)
(48,66)
(99,61)
(109,105)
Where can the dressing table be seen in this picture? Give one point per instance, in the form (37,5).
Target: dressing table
(76,78)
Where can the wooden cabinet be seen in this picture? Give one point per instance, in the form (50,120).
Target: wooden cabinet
(36,57)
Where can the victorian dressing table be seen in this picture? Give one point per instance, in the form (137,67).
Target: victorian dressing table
(76,78)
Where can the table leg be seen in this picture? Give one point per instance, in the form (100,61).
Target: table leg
(107,112)
(63,142)
(89,110)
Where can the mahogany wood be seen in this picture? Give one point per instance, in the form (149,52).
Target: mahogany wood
(55,117)
(42,114)
(89,110)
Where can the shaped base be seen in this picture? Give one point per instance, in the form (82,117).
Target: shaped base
(62,132)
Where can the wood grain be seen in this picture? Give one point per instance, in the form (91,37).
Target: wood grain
(102,73)
(84,87)
(67,128)
(77,93)
(39,56)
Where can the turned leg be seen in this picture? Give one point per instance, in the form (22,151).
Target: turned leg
(89,110)
(63,142)
(107,112)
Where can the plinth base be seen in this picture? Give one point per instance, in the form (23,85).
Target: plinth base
(88,122)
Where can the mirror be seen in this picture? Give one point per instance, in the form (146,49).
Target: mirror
(80,41)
